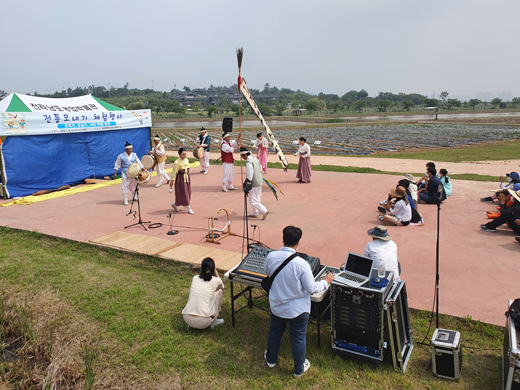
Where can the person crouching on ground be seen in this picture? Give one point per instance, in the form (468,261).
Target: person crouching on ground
(182,180)
(205,300)
(401,212)
(446,182)
(507,214)
(290,300)
(434,191)
(253,184)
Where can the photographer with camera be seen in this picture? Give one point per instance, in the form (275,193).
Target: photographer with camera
(253,184)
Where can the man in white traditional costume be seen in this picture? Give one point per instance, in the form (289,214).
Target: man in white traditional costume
(159,153)
(204,141)
(124,160)
(227,147)
(254,181)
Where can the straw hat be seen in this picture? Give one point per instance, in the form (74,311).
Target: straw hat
(409,177)
(515,194)
(399,192)
(380,232)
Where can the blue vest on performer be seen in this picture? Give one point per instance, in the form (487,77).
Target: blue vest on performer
(207,141)
(124,161)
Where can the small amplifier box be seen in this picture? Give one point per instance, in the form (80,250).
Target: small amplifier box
(446,354)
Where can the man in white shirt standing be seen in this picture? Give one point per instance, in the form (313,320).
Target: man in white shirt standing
(226,154)
(204,141)
(255,179)
(290,300)
(382,247)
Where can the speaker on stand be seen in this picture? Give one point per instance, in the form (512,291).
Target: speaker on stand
(227,125)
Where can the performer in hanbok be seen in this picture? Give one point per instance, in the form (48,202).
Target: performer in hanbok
(262,144)
(254,180)
(124,160)
(227,147)
(204,141)
(304,165)
(159,153)
(182,180)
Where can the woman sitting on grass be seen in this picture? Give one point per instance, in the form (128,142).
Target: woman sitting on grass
(445,180)
(205,299)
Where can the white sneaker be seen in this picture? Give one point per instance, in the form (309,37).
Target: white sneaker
(206,172)
(125,202)
(218,322)
(191,212)
(233,188)
(265,215)
(270,365)
(224,190)
(306,367)
(175,207)
(158,185)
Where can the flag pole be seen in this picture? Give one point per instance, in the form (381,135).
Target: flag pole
(240,53)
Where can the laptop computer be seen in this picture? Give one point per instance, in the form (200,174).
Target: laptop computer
(356,271)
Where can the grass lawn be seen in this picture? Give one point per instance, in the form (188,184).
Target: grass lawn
(506,150)
(93,318)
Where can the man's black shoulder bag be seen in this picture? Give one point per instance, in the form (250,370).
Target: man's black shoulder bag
(268,280)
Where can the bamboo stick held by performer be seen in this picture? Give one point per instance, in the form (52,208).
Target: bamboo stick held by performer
(159,153)
(124,160)
(181,179)
(227,147)
(304,165)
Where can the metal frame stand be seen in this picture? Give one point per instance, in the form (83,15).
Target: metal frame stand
(140,222)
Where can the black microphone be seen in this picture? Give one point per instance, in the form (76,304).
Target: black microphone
(169,215)
(254,226)
(128,213)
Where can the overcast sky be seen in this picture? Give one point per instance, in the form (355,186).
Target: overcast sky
(329,46)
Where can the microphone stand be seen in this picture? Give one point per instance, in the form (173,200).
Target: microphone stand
(140,222)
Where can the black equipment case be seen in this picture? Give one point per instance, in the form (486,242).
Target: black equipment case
(511,355)
(446,354)
(399,326)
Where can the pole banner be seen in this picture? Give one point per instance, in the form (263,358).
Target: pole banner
(270,135)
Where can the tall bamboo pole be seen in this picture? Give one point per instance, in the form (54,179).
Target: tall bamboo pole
(240,53)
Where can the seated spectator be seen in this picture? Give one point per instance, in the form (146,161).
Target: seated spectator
(409,186)
(433,190)
(425,178)
(505,184)
(509,202)
(382,247)
(507,214)
(398,209)
(445,180)
(412,187)
(205,299)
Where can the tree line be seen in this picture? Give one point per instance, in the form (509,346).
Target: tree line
(271,100)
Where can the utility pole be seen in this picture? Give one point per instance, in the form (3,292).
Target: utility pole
(152,84)
(108,89)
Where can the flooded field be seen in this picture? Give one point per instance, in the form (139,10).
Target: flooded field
(365,140)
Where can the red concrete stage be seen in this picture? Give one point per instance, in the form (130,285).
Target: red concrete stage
(477,269)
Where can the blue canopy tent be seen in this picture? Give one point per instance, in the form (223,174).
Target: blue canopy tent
(62,144)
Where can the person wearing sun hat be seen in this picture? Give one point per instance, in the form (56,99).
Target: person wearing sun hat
(382,247)
(505,184)
(412,187)
(401,211)
(507,214)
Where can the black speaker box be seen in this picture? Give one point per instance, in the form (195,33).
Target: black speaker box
(227,125)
